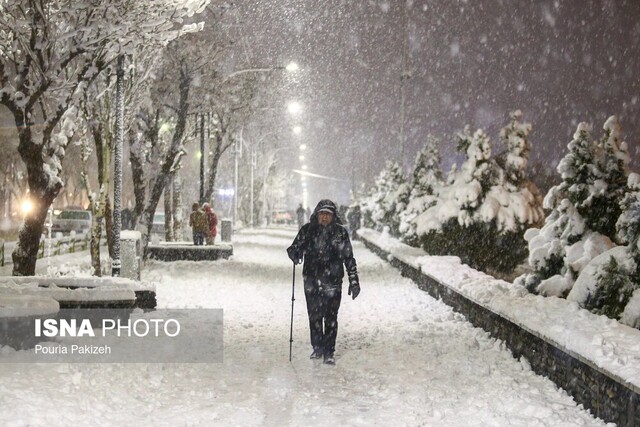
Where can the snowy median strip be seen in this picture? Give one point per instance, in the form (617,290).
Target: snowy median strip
(595,340)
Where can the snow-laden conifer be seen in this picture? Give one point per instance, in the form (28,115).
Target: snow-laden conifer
(583,207)
(487,203)
(426,179)
(389,196)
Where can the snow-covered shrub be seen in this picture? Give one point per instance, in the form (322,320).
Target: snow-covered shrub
(614,288)
(591,289)
(604,204)
(426,179)
(389,197)
(583,207)
(483,211)
(617,282)
(628,224)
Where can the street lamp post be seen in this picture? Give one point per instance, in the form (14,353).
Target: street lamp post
(237,149)
(117,173)
(253,166)
(201,158)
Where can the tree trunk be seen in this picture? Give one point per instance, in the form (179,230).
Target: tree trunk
(176,209)
(43,189)
(137,174)
(108,224)
(96,234)
(99,204)
(213,165)
(168,214)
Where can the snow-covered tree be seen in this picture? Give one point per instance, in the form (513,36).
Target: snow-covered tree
(97,139)
(610,282)
(389,197)
(483,211)
(426,179)
(578,169)
(514,202)
(515,138)
(609,189)
(628,224)
(548,248)
(566,244)
(49,53)
(157,140)
(614,287)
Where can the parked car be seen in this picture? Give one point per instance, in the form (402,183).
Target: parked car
(68,220)
(157,227)
(282,217)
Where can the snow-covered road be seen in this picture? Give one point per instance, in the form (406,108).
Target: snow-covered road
(402,358)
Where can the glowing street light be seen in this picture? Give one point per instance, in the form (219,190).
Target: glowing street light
(294,107)
(303,147)
(301,157)
(297,130)
(26,207)
(292,67)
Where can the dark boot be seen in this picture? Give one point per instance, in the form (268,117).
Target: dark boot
(317,354)
(329,359)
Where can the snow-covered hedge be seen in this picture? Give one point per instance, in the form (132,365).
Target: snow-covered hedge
(596,208)
(479,214)
(488,214)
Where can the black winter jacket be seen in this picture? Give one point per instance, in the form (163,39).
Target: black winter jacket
(325,249)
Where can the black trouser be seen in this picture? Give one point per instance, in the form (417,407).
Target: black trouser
(323,302)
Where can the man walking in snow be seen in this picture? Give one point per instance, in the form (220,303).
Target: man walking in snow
(301,213)
(199,224)
(323,243)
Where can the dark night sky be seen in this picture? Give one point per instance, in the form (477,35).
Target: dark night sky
(471,62)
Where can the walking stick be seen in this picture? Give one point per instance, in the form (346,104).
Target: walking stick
(293,293)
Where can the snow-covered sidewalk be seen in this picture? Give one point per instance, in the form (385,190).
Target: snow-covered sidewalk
(403,358)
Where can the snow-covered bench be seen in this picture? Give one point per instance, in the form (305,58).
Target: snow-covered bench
(17,317)
(84,292)
(185,251)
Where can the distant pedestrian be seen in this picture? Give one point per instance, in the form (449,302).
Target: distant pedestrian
(199,224)
(127,219)
(301,213)
(354,217)
(324,245)
(212,220)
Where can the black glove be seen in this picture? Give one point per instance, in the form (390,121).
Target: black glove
(354,288)
(294,255)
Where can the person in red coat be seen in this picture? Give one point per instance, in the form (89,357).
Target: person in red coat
(213,224)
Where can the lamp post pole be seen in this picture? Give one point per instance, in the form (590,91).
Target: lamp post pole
(253,165)
(403,77)
(201,158)
(236,148)
(117,166)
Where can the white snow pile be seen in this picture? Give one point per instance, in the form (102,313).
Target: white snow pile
(18,305)
(48,287)
(604,342)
